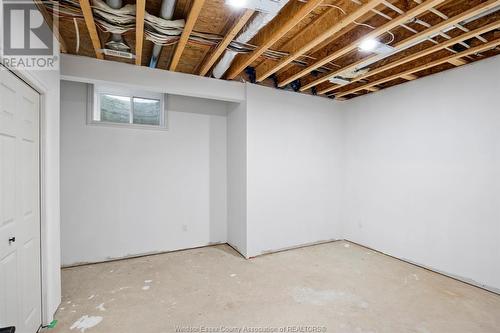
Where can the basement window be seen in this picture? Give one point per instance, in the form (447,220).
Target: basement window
(112,105)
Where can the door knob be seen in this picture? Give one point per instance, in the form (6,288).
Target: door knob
(12,240)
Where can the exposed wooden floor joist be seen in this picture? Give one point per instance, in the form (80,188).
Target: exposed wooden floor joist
(307,42)
(422,36)
(91,27)
(470,51)
(338,26)
(373,34)
(190,22)
(271,33)
(468,35)
(139,30)
(240,23)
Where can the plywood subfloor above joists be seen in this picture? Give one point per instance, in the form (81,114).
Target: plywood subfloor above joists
(299,49)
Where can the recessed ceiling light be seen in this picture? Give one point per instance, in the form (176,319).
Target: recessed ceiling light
(237,3)
(368,45)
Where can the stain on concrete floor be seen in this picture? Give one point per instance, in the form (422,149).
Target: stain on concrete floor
(330,287)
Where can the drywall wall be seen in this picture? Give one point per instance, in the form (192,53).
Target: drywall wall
(132,191)
(294,151)
(237,175)
(422,177)
(408,171)
(47,83)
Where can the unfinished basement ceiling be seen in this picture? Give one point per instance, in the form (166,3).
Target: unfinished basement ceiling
(306,45)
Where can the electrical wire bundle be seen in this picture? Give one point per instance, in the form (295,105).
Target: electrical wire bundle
(157,30)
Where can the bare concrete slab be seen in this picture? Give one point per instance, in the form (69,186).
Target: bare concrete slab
(333,287)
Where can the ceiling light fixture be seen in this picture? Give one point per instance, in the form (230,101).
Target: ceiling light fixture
(368,45)
(261,6)
(237,3)
(374,46)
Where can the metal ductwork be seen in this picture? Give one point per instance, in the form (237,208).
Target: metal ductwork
(116,42)
(167,13)
(259,22)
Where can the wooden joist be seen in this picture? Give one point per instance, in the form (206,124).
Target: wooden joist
(409,77)
(238,25)
(287,18)
(310,42)
(321,23)
(430,50)
(90,23)
(54,25)
(458,62)
(472,50)
(421,36)
(412,42)
(354,45)
(412,57)
(139,30)
(188,27)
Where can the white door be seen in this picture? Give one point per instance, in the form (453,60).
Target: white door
(20,285)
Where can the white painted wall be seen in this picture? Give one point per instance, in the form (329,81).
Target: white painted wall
(47,83)
(422,178)
(237,177)
(411,170)
(293,169)
(133,191)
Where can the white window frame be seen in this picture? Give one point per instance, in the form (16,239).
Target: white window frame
(94,105)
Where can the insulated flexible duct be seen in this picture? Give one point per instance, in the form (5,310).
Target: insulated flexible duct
(166,12)
(116,43)
(260,21)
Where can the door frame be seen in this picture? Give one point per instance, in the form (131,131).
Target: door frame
(42,90)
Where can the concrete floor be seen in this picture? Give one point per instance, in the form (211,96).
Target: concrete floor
(333,287)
